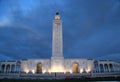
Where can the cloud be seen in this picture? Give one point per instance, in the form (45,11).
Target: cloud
(113,57)
(3,57)
(90,28)
(5,22)
(21,43)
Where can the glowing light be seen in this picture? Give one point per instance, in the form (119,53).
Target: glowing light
(64,71)
(26,70)
(57,17)
(70,71)
(81,70)
(57,69)
(44,71)
(49,71)
(33,71)
(88,70)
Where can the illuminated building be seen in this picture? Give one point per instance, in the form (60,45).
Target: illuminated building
(58,63)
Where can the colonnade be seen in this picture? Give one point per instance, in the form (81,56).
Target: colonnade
(105,67)
(9,68)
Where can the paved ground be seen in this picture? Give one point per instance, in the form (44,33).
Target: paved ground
(110,79)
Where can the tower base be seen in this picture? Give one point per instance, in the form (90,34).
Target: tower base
(57,64)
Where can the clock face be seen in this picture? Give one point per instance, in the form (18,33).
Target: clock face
(56,24)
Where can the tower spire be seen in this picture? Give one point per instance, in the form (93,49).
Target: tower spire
(57,16)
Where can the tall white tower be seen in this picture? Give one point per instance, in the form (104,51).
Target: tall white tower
(57,44)
(57,59)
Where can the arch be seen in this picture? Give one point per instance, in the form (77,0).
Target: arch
(111,67)
(7,68)
(114,67)
(106,68)
(75,67)
(12,68)
(18,64)
(39,68)
(96,68)
(3,68)
(101,68)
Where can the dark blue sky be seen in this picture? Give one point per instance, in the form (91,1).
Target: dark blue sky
(91,28)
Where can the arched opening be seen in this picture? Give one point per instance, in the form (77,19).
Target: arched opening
(3,68)
(75,67)
(96,69)
(39,68)
(111,67)
(12,68)
(101,68)
(18,66)
(106,68)
(8,68)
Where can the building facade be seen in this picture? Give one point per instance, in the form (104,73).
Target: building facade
(57,62)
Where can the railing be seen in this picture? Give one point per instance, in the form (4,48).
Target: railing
(57,75)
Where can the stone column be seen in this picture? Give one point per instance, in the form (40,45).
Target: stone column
(0,67)
(10,69)
(104,68)
(19,69)
(99,68)
(5,69)
(14,68)
(109,68)
(113,68)
(117,68)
